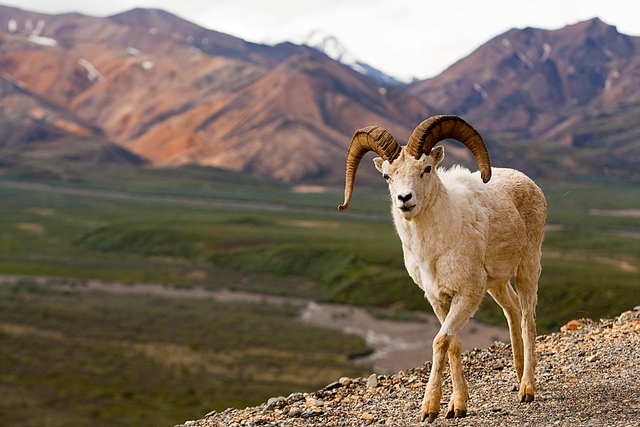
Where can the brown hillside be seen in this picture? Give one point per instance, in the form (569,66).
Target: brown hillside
(293,122)
(32,127)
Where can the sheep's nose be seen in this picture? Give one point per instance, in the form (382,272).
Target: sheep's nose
(405,198)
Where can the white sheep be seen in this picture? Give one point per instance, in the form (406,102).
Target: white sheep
(461,238)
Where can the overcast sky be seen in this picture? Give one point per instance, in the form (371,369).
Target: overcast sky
(403,38)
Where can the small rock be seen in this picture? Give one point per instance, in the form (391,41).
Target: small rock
(367,416)
(345,381)
(310,414)
(316,402)
(593,358)
(273,401)
(372,382)
(333,385)
(572,325)
(295,412)
(294,397)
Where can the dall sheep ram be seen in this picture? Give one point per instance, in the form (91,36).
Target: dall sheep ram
(461,238)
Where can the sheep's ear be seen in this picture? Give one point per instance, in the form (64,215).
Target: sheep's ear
(438,154)
(378,161)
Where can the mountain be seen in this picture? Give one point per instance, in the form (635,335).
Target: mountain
(31,125)
(291,123)
(521,79)
(330,46)
(571,94)
(214,43)
(145,86)
(174,93)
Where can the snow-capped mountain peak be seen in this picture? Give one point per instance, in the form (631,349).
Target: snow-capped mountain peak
(330,46)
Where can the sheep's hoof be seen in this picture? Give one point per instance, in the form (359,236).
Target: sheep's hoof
(458,413)
(526,398)
(430,417)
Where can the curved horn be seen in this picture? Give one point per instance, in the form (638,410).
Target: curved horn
(371,138)
(438,128)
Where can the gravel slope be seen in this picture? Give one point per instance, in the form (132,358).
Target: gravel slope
(588,374)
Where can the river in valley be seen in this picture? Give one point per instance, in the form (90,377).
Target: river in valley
(397,344)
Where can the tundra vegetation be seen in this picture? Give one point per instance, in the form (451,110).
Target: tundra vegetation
(199,227)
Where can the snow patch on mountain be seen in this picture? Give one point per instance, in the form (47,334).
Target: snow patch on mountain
(42,41)
(92,73)
(330,46)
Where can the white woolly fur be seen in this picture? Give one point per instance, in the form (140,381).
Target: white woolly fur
(462,238)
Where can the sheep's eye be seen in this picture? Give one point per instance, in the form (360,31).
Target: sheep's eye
(426,170)
(385,176)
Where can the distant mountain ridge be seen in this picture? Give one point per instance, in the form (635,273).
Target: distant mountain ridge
(527,76)
(170,93)
(572,94)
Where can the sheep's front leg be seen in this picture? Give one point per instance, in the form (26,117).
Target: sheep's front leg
(458,403)
(461,309)
(433,392)
(460,397)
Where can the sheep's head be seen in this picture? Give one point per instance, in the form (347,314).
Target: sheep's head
(409,179)
(409,170)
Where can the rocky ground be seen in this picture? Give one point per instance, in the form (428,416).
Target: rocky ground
(588,374)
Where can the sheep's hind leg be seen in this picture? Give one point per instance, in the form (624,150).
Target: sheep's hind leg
(455,318)
(506,297)
(527,288)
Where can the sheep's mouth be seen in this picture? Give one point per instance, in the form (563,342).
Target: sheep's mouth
(406,208)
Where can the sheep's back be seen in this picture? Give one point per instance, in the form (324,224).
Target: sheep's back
(517,211)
